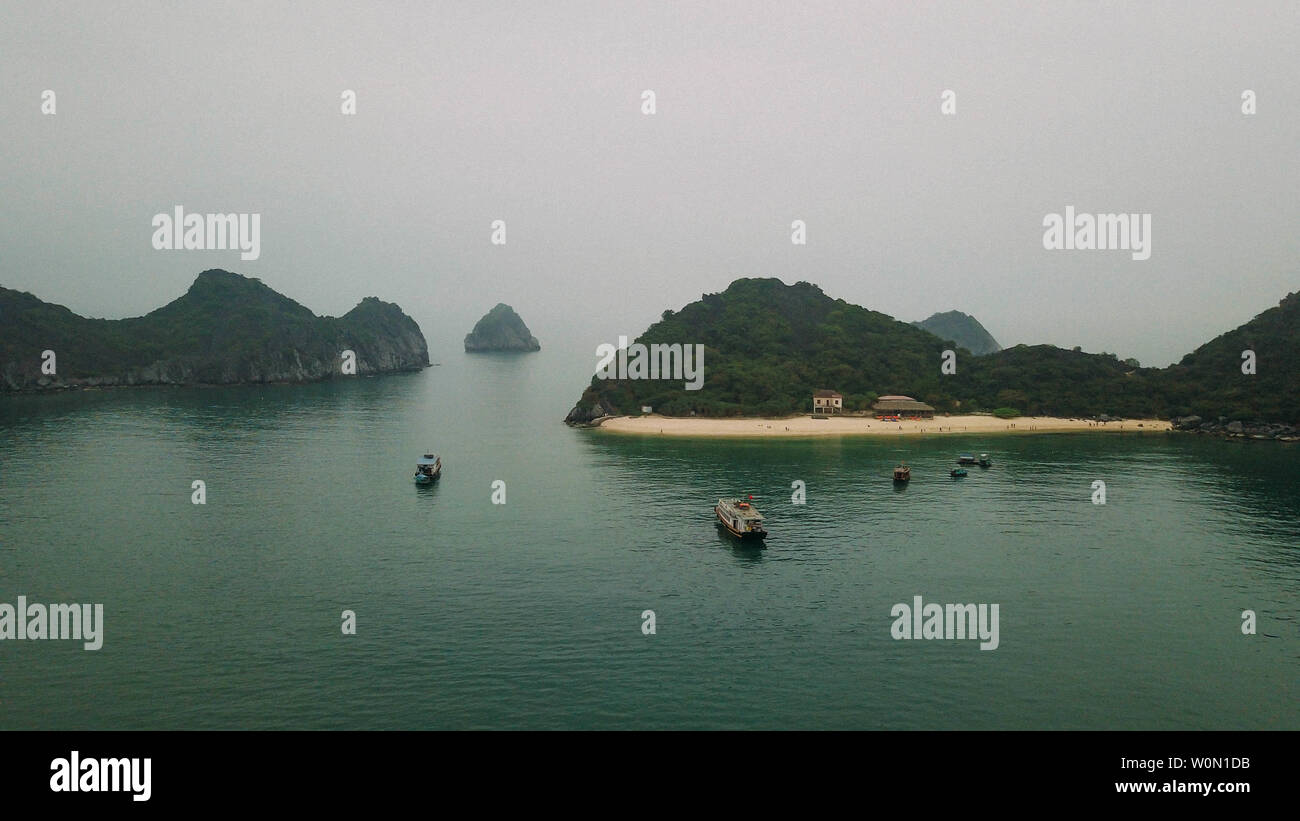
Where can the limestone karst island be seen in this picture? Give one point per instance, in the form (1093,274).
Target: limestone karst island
(226,329)
(501,329)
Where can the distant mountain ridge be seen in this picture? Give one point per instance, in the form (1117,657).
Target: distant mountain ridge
(226,329)
(501,329)
(963,329)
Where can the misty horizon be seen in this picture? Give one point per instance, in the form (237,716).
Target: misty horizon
(444,338)
(764,115)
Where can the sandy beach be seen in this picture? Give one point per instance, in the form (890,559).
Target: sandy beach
(805,425)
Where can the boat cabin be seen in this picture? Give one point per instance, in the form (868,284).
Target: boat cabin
(740,518)
(428,467)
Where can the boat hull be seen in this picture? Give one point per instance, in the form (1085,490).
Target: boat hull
(748,535)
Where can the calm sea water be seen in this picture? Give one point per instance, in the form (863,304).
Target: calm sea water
(528,614)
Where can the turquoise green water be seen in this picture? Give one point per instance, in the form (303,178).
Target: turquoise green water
(528,614)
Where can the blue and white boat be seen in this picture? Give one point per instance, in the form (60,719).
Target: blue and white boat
(428,469)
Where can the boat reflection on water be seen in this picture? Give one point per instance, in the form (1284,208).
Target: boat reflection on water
(747,550)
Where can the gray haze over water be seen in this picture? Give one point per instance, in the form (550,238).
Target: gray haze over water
(766,113)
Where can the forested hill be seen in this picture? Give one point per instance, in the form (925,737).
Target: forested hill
(963,329)
(1210,381)
(769,346)
(225,329)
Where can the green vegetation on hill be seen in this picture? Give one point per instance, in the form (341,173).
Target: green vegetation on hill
(1043,380)
(769,346)
(1209,381)
(963,329)
(225,329)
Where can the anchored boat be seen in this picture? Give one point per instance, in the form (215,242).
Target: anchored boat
(957,473)
(985,461)
(965,459)
(902,473)
(740,518)
(428,468)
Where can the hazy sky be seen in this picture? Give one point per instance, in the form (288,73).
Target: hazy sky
(766,113)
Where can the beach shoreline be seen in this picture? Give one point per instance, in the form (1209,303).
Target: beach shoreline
(804,426)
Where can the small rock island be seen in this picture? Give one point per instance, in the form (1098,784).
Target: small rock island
(501,329)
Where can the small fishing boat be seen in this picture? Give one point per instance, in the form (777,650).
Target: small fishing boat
(428,469)
(902,473)
(966,459)
(985,461)
(740,518)
(957,473)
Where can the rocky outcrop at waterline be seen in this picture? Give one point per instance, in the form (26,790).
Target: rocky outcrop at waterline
(1236,429)
(590,414)
(226,329)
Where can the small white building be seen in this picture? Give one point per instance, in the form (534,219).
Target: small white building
(828,402)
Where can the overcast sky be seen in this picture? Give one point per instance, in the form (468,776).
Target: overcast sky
(766,113)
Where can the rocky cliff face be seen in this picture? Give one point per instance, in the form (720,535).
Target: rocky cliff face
(227,329)
(501,329)
(1237,429)
(589,413)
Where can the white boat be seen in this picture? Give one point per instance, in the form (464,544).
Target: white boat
(740,518)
